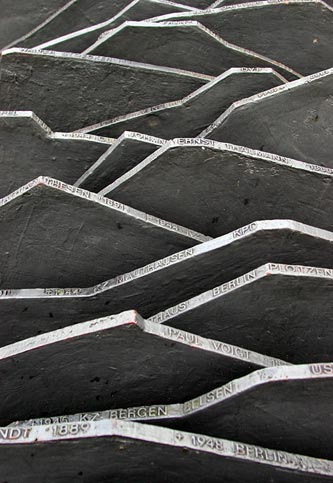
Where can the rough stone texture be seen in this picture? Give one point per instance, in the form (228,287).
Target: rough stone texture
(215,188)
(73,32)
(189,116)
(187,46)
(52,234)
(166,282)
(19,17)
(282,310)
(84,90)
(108,449)
(298,34)
(28,149)
(293,120)
(140,362)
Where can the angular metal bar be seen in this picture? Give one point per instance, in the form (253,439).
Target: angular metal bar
(71,103)
(304,41)
(215,187)
(132,452)
(166,282)
(52,232)
(114,361)
(20,16)
(300,113)
(196,3)
(29,148)
(282,310)
(70,24)
(187,116)
(285,408)
(169,44)
(125,153)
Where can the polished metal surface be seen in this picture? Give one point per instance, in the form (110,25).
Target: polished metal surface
(299,113)
(198,110)
(54,233)
(283,310)
(166,241)
(169,43)
(126,152)
(165,282)
(304,39)
(66,103)
(216,187)
(71,31)
(122,450)
(283,408)
(114,361)
(29,148)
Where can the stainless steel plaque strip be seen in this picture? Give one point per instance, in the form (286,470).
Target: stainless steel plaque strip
(216,187)
(168,44)
(73,103)
(52,233)
(125,153)
(187,116)
(305,23)
(282,310)
(131,451)
(29,148)
(165,282)
(269,407)
(71,31)
(293,113)
(114,361)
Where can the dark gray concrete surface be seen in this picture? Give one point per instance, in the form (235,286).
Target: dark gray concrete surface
(53,233)
(125,153)
(70,91)
(195,112)
(183,45)
(282,310)
(122,450)
(283,408)
(28,149)
(163,283)
(294,120)
(298,34)
(19,17)
(73,31)
(107,363)
(215,188)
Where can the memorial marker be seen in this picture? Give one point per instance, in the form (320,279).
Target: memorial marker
(53,233)
(114,361)
(215,188)
(187,116)
(127,450)
(71,31)
(57,93)
(169,44)
(282,310)
(285,408)
(297,34)
(165,282)
(29,148)
(125,153)
(300,113)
